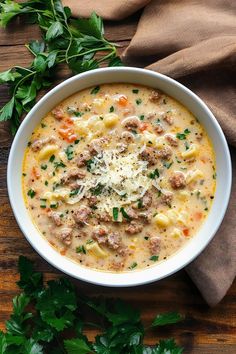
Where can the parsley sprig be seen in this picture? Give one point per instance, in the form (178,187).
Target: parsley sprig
(42,313)
(74,42)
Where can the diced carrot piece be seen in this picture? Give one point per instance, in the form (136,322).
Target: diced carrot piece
(186,232)
(198,216)
(69,121)
(123,100)
(35,172)
(67,133)
(63,252)
(143,126)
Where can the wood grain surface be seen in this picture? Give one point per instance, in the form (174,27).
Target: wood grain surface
(204,330)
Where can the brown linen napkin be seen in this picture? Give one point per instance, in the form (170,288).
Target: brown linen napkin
(195,43)
(108,9)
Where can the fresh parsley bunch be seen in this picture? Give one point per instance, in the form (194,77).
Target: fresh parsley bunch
(74,42)
(44,316)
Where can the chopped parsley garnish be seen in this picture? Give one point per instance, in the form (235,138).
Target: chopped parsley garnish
(44,167)
(133,265)
(214,175)
(59,164)
(29,143)
(81,249)
(134,132)
(74,192)
(43,203)
(140,203)
(31,193)
(90,164)
(125,215)
(168,164)
(78,114)
(154,174)
(46,183)
(69,152)
(43,125)
(97,190)
(24,174)
(146,238)
(115,213)
(54,205)
(154,258)
(138,101)
(186,145)
(141,117)
(135,91)
(95,90)
(76,141)
(44,312)
(89,242)
(111,109)
(52,158)
(182,136)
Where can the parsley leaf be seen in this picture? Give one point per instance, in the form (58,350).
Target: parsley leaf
(64,40)
(56,307)
(166,318)
(182,136)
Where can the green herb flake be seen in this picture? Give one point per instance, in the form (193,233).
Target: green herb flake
(111,109)
(59,164)
(154,258)
(182,136)
(31,193)
(140,204)
(167,164)
(76,141)
(214,175)
(46,183)
(54,205)
(123,212)
(95,90)
(138,101)
(52,158)
(44,167)
(154,174)
(78,114)
(81,249)
(43,125)
(97,190)
(115,212)
(135,91)
(141,117)
(90,165)
(24,174)
(69,152)
(74,192)
(89,242)
(186,144)
(133,265)
(146,238)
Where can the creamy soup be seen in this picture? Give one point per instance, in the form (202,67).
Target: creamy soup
(119,177)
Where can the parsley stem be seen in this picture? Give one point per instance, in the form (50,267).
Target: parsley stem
(22,80)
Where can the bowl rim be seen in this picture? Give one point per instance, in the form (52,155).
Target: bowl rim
(98,277)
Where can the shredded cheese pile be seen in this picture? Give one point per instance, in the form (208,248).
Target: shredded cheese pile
(122,178)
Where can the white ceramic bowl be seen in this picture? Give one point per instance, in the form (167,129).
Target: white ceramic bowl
(136,76)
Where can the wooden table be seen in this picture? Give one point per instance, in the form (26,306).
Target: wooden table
(205,330)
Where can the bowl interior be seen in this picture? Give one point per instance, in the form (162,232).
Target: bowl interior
(136,76)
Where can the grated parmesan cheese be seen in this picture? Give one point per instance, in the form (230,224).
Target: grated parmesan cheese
(122,177)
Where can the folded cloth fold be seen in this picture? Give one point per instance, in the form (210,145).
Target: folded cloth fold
(108,9)
(195,43)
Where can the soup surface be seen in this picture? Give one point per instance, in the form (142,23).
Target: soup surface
(119,177)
